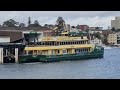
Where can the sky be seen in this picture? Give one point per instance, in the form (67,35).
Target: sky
(90,18)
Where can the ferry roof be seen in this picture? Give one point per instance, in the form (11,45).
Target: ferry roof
(62,38)
(59,47)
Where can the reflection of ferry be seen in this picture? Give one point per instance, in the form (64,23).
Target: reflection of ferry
(61,48)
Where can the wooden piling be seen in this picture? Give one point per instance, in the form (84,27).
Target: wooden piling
(1,55)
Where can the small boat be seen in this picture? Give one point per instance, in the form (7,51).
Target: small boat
(106,47)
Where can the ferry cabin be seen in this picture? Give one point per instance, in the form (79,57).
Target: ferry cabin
(57,50)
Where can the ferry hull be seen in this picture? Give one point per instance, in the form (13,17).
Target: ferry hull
(66,57)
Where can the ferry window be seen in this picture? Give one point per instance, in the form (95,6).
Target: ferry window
(52,52)
(81,42)
(80,50)
(83,49)
(75,50)
(74,42)
(49,43)
(68,42)
(65,43)
(87,49)
(67,50)
(30,52)
(64,51)
(84,42)
(35,52)
(58,51)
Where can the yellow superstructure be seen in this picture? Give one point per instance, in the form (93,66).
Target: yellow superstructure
(55,50)
(62,38)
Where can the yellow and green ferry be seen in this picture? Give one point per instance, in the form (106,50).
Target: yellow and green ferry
(61,48)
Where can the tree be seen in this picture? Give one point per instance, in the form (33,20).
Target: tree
(78,26)
(10,23)
(22,25)
(29,21)
(97,35)
(73,26)
(113,29)
(105,41)
(45,25)
(36,23)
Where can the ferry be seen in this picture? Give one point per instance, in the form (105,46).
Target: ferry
(61,48)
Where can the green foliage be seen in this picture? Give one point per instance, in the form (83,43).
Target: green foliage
(29,21)
(22,25)
(36,23)
(97,35)
(113,29)
(10,23)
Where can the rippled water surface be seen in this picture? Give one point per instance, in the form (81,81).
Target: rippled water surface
(105,68)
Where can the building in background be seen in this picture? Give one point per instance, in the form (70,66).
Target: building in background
(83,27)
(75,30)
(68,27)
(101,28)
(96,41)
(115,23)
(95,31)
(112,38)
(4,39)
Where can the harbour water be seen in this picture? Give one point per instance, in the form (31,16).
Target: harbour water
(105,68)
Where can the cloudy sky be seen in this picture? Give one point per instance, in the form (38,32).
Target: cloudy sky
(91,18)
